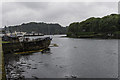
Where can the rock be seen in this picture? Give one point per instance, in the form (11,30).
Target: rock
(114,53)
(40,62)
(66,76)
(73,76)
(12,73)
(61,67)
(19,65)
(23,63)
(28,67)
(18,74)
(22,71)
(35,77)
(29,64)
(34,68)
(75,47)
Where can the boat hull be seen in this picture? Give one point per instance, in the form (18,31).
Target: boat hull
(25,46)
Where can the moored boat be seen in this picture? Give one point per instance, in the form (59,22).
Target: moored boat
(13,44)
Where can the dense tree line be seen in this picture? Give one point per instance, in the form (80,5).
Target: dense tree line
(38,28)
(107,26)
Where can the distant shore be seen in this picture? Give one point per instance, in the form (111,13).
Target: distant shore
(107,27)
(95,36)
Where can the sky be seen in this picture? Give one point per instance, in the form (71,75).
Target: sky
(65,12)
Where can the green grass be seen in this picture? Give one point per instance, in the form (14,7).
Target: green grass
(5,41)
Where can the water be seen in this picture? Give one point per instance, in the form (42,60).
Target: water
(81,58)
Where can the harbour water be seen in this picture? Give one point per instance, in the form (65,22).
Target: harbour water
(80,58)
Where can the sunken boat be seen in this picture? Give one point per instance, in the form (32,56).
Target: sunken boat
(22,44)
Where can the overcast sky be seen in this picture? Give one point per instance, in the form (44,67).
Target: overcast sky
(64,13)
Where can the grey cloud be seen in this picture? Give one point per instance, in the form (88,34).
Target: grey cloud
(34,5)
(62,12)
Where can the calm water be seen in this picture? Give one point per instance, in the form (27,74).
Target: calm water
(82,58)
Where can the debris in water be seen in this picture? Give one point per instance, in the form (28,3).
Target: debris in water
(53,45)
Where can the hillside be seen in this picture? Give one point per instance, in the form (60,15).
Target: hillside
(47,29)
(105,27)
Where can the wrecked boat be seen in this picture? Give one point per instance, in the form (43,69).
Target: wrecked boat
(20,44)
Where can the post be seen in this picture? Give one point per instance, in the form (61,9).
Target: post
(0,58)
(119,46)
(2,67)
